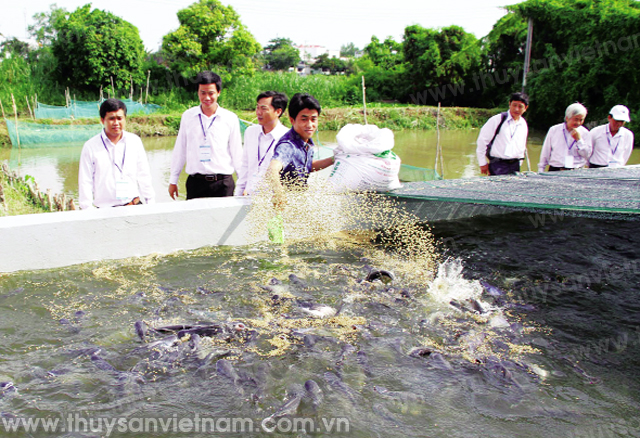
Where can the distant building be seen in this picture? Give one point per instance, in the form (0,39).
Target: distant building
(309,53)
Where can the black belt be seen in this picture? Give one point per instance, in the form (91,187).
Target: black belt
(211,177)
(503,160)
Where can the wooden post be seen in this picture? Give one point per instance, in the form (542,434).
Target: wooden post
(2,106)
(438,147)
(29,107)
(15,113)
(113,88)
(364,100)
(146,97)
(131,87)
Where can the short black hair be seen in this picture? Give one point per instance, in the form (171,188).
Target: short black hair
(519,97)
(301,101)
(209,77)
(110,105)
(278,100)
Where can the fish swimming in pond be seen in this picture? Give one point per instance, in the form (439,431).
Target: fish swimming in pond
(470,305)
(225,369)
(294,279)
(100,363)
(141,329)
(290,407)
(380,275)
(491,289)
(316,310)
(333,380)
(314,393)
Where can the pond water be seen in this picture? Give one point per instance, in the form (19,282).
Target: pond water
(525,331)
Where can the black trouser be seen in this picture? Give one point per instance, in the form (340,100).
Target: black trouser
(596,166)
(557,169)
(498,166)
(209,186)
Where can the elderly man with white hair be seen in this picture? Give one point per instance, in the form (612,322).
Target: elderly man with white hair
(567,145)
(612,143)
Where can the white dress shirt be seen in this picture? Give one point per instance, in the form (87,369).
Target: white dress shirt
(111,175)
(256,156)
(561,150)
(610,151)
(510,142)
(208,145)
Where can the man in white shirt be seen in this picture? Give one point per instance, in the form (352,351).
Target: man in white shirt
(502,142)
(567,145)
(612,143)
(114,170)
(260,141)
(210,144)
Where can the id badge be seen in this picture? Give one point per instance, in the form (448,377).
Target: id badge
(123,190)
(204,153)
(568,161)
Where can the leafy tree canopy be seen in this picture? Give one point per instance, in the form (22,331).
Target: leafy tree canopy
(584,51)
(210,37)
(46,23)
(348,50)
(440,57)
(93,46)
(280,54)
(333,64)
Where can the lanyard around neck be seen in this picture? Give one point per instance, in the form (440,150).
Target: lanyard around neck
(204,132)
(564,133)
(113,159)
(260,160)
(609,141)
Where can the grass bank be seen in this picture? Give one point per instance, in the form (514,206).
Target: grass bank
(394,117)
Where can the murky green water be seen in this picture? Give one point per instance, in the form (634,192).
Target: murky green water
(442,358)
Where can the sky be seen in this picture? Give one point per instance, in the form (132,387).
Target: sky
(328,23)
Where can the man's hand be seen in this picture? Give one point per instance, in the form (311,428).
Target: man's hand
(173,191)
(575,134)
(484,170)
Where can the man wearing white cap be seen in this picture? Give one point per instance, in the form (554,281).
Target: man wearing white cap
(612,143)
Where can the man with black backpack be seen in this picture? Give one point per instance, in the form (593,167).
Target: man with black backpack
(503,139)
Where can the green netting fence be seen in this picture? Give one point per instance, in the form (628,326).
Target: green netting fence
(33,135)
(83,109)
(414,174)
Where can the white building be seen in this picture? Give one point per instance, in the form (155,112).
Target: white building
(309,53)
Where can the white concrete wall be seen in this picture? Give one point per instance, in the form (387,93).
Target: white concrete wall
(51,240)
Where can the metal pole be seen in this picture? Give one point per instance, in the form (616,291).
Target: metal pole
(364,100)
(527,55)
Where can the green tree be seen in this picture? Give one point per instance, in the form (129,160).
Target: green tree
(280,54)
(15,47)
(349,50)
(584,51)
(333,64)
(45,28)
(442,62)
(91,47)
(386,54)
(210,36)
(502,67)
